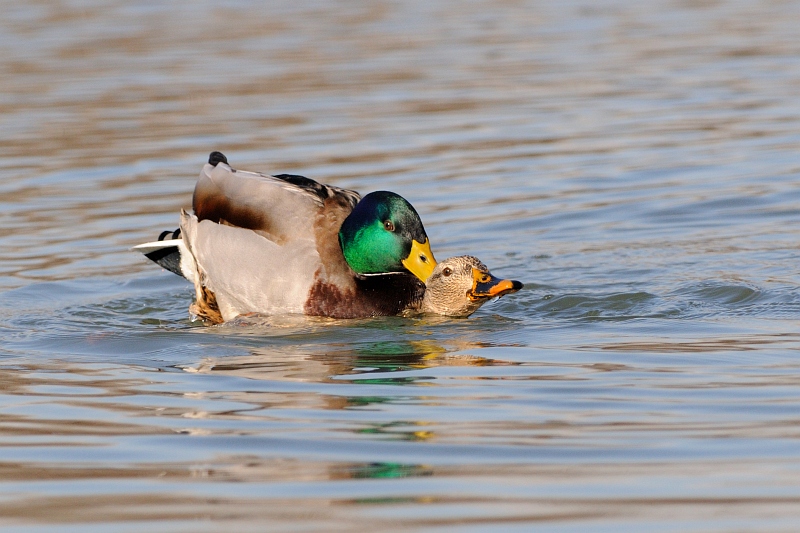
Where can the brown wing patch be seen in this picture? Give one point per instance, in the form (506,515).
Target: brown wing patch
(210,203)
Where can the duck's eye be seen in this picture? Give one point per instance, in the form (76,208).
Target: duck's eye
(447,271)
(388,225)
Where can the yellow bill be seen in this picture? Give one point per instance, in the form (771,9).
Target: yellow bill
(420,261)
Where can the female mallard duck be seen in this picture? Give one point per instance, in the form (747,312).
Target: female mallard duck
(287,244)
(458,286)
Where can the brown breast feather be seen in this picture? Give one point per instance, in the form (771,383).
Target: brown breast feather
(386,295)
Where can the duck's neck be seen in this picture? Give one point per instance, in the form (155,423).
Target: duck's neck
(447,304)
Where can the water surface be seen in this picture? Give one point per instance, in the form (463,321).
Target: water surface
(635,165)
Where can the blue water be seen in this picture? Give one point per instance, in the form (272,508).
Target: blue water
(636,166)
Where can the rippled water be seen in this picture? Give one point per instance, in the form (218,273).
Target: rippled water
(635,164)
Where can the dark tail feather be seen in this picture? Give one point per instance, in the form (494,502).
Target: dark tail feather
(165,252)
(168,258)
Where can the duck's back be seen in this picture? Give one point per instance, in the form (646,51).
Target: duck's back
(280,208)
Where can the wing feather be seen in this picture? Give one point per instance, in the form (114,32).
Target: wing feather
(281,208)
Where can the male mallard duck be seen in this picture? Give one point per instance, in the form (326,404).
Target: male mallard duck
(287,244)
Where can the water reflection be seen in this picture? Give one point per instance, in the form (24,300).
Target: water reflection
(360,374)
(356,363)
(740,343)
(388,470)
(407,431)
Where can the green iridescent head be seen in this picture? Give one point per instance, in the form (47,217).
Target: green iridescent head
(384,234)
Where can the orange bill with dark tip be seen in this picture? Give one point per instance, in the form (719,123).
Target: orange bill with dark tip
(485,285)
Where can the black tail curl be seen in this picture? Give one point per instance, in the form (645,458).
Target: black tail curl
(168,257)
(167,234)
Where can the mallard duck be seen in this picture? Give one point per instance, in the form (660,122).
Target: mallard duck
(287,244)
(459,285)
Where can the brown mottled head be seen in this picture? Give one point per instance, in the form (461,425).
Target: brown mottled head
(460,285)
